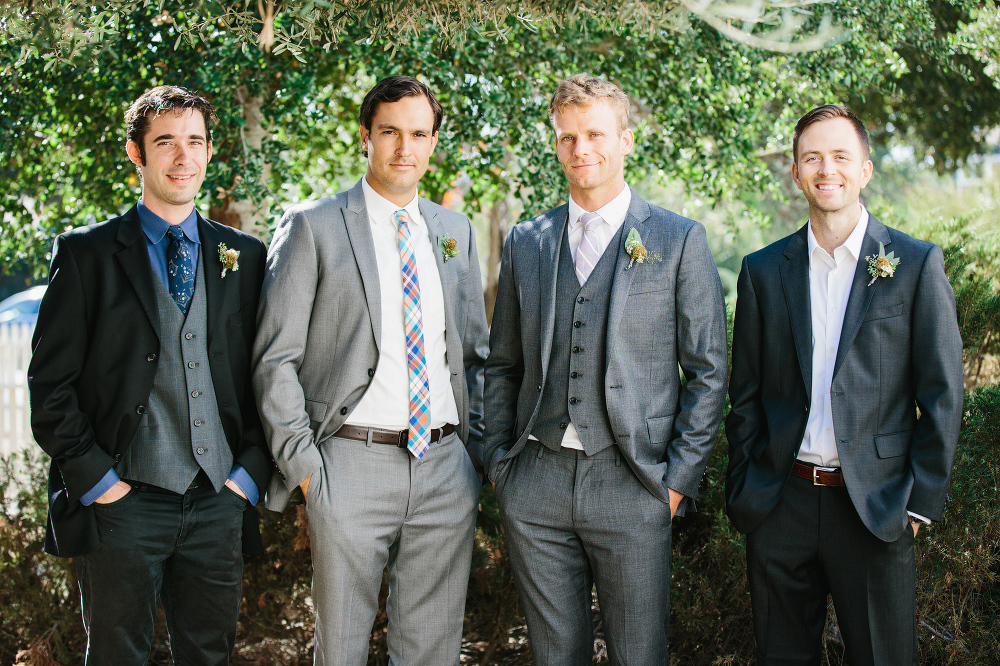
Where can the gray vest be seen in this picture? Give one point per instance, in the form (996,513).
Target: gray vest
(574,390)
(181,431)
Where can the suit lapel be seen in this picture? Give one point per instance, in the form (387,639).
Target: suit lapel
(638,213)
(217,288)
(795,284)
(134,260)
(360,232)
(549,250)
(861,293)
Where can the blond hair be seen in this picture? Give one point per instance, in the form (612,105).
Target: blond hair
(583,90)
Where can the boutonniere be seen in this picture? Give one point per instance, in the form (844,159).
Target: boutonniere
(636,250)
(230,259)
(448,245)
(884,265)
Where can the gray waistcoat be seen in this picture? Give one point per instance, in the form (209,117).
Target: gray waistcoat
(181,431)
(574,390)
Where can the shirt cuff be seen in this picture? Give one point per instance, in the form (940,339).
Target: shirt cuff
(103,486)
(925,521)
(242,478)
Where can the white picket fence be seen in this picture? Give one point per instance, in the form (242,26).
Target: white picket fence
(15,422)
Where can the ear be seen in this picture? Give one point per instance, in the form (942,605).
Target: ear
(434,141)
(132,150)
(866,173)
(628,141)
(795,175)
(209,152)
(364,138)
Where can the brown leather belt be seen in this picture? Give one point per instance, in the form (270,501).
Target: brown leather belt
(393,437)
(818,475)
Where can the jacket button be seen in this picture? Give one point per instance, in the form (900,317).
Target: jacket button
(371,372)
(577,324)
(539,389)
(343,411)
(140,409)
(577,349)
(118,457)
(189,336)
(192,364)
(198,423)
(563,425)
(573,401)
(150,357)
(201,451)
(581,299)
(195,394)
(574,375)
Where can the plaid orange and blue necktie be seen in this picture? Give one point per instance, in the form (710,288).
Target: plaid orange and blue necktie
(419,431)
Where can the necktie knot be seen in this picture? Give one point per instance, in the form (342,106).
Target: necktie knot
(175,233)
(590,221)
(401,217)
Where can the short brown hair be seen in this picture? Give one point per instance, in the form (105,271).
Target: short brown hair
(583,90)
(393,89)
(826,112)
(160,100)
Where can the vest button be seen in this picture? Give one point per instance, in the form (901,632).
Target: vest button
(539,389)
(201,450)
(343,411)
(141,409)
(371,372)
(197,423)
(577,324)
(192,365)
(150,357)
(195,394)
(563,425)
(573,401)
(581,299)
(189,336)
(118,457)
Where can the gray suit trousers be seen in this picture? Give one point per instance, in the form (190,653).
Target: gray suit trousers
(373,506)
(571,521)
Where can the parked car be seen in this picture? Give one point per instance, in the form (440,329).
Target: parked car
(22,307)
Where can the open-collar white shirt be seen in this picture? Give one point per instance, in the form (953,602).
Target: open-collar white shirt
(386,403)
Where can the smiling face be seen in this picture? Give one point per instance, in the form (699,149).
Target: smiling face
(176,154)
(592,149)
(399,145)
(831,168)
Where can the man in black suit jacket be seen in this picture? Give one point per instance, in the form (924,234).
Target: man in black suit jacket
(140,392)
(846,397)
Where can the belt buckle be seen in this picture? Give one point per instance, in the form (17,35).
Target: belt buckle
(816,472)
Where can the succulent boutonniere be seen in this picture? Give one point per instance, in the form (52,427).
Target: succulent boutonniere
(884,265)
(230,259)
(636,250)
(448,245)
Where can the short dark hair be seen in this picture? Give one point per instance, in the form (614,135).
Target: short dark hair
(160,100)
(826,112)
(393,89)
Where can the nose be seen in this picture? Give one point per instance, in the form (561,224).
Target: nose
(403,145)
(825,166)
(183,154)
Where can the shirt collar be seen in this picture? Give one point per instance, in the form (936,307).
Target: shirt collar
(852,244)
(381,210)
(613,213)
(155,227)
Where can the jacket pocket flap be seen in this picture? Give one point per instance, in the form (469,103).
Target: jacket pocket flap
(893,444)
(884,312)
(316,410)
(660,428)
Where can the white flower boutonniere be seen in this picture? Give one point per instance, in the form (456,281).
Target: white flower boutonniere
(448,245)
(636,250)
(230,259)
(883,265)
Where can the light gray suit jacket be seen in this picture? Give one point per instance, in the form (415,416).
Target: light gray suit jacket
(663,315)
(900,351)
(319,329)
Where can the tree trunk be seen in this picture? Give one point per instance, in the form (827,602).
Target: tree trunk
(499,223)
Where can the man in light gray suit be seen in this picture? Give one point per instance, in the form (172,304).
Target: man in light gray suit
(846,405)
(369,358)
(592,439)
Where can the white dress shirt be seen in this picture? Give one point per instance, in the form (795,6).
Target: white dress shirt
(613,213)
(386,403)
(830,280)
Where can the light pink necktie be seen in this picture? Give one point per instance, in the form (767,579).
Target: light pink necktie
(587,254)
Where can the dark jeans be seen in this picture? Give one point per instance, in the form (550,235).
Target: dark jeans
(181,549)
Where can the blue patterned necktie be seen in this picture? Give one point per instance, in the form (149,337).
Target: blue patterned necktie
(419,431)
(180,271)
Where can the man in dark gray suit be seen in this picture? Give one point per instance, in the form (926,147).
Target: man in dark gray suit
(592,439)
(369,365)
(846,405)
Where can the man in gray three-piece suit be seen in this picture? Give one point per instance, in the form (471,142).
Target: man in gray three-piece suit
(369,359)
(846,405)
(592,439)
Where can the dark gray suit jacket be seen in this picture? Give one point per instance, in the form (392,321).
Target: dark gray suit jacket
(900,351)
(319,329)
(663,315)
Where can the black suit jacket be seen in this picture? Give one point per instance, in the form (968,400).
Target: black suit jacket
(900,351)
(94,356)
